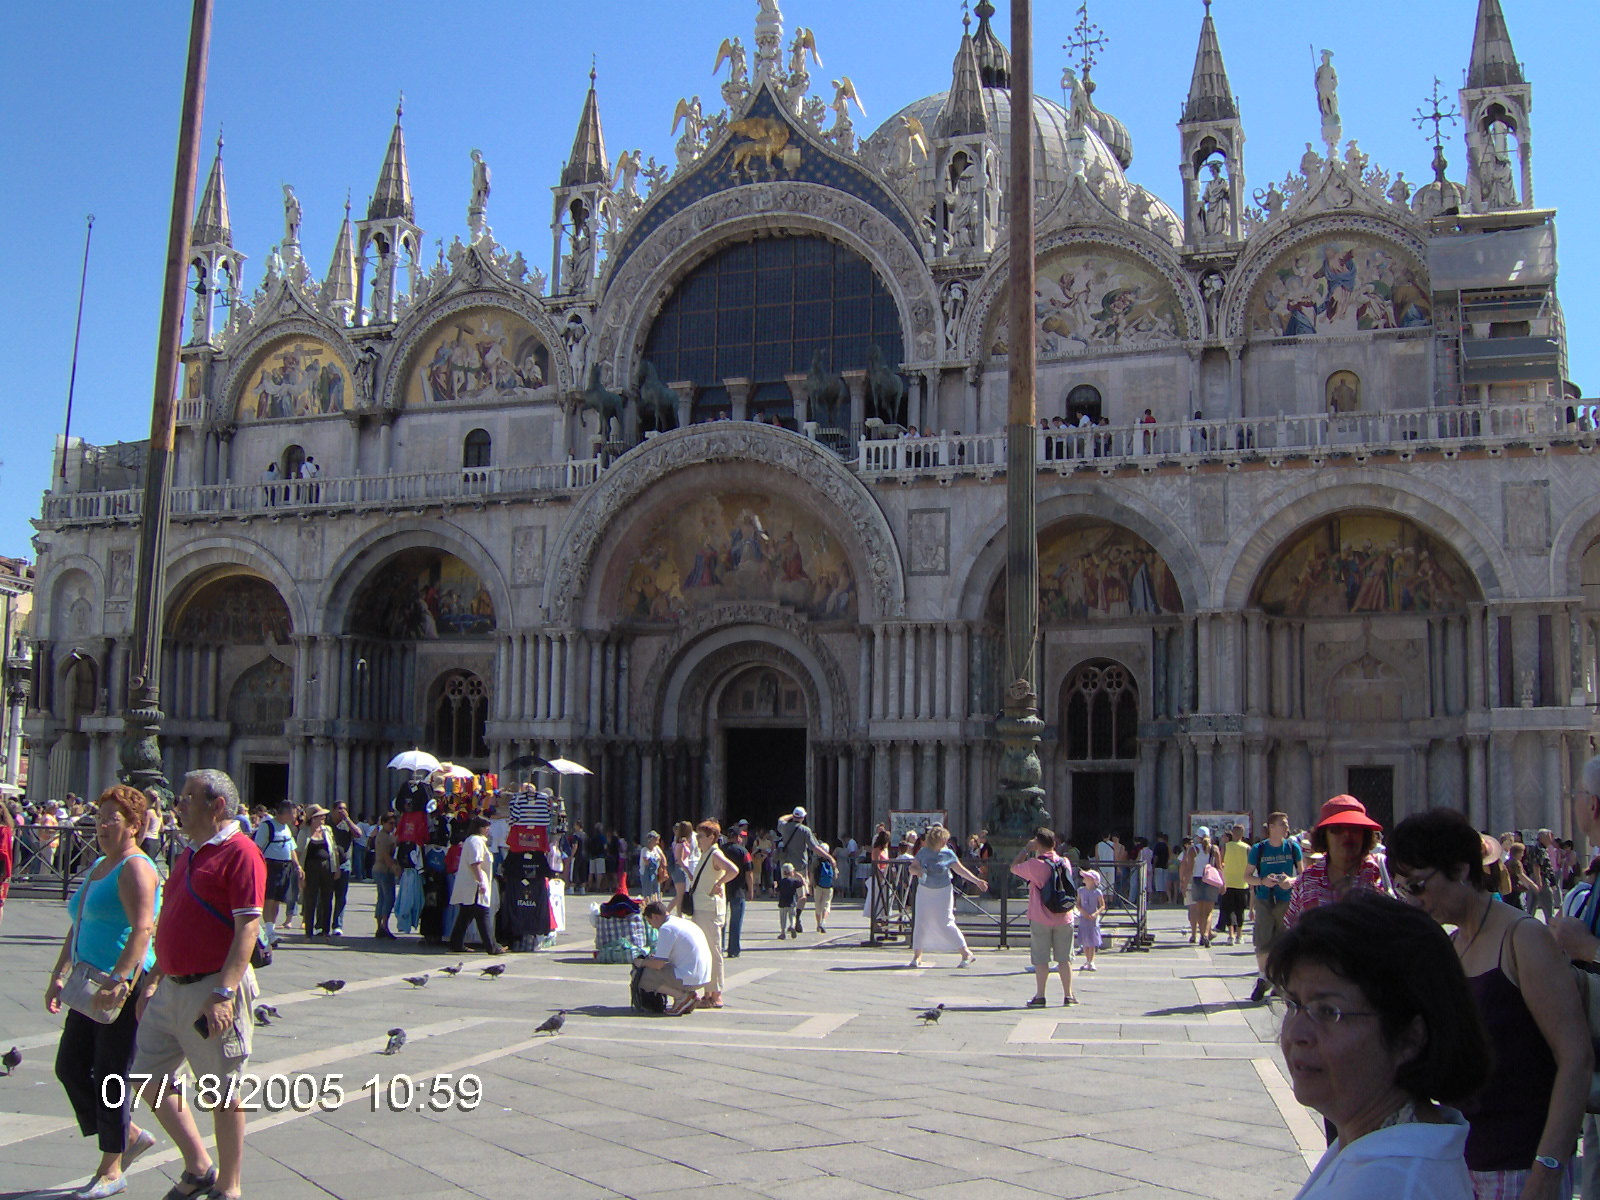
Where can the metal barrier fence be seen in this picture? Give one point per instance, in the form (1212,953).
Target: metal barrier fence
(53,859)
(1002,912)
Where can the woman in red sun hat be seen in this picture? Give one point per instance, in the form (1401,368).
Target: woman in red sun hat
(1345,836)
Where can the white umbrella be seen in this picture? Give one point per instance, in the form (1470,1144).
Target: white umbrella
(414,760)
(451,771)
(565,766)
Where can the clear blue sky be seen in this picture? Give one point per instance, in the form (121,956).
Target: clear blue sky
(305,91)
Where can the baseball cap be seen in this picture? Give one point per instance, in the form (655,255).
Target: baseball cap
(800,812)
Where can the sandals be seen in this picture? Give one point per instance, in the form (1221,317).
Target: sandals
(202,1185)
(143,1142)
(99,1188)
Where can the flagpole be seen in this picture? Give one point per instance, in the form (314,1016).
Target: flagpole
(77,335)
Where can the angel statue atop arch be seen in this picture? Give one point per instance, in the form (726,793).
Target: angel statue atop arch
(693,117)
(629,164)
(737,85)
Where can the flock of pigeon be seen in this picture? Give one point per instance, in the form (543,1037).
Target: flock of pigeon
(266,1014)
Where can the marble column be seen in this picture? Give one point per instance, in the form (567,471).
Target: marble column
(913,396)
(685,390)
(1554,790)
(1255,662)
(799,396)
(1144,796)
(1477,791)
(972,377)
(856,381)
(739,397)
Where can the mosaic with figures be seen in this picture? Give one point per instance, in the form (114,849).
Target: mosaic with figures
(1093,299)
(301,377)
(482,355)
(739,546)
(1341,286)
(1365,563)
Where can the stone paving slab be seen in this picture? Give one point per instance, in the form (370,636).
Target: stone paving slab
(816,1082)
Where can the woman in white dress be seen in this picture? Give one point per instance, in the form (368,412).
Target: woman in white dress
(933,926)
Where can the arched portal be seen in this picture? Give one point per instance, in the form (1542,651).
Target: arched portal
(759,726)
(458,716)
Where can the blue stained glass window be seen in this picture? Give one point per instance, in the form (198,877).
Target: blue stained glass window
(758,310)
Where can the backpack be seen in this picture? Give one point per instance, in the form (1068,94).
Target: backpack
(1060,894)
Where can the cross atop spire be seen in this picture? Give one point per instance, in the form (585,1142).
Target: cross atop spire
(588,163)
(392,198)
(1210,97)
(1087,38)
(211,227)
(1494,63)
(1440,111)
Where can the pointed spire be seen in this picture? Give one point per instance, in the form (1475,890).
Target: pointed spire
(211,227)
(994,60)
(1210,97)
(393,195)
(588,163)
(963,110)
(339,288)
(1494,63)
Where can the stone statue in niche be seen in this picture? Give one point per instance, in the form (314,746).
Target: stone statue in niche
(1211,290)
(954,303)
(1527,688)
(1216,204)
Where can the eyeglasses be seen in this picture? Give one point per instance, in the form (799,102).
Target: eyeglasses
(1415,887)
(1324,1014)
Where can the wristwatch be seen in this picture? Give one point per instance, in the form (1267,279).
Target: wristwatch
(1544,1160)
(225,992)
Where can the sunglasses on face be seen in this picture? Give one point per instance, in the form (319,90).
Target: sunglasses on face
(1414,887)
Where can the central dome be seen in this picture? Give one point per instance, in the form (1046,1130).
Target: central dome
(1050,132)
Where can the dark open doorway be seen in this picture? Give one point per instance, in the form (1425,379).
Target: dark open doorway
(1374,787)
(766,774)
(269,783)
(1102,803)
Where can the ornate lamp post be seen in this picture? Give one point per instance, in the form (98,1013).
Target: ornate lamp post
(140,751)
(1019,805)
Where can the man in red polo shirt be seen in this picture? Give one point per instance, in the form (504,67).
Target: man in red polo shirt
(210,911)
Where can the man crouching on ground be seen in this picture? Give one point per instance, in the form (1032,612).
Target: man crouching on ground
(681,965)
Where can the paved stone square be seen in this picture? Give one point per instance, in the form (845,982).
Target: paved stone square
(816,1081)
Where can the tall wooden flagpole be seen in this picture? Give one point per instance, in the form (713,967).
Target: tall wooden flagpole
(1019,805)
(140,751)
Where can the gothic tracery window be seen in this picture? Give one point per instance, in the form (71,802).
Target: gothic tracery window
(458,721)
(1100,712)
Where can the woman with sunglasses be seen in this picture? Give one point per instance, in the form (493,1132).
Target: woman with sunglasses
(1378,1028)
(1525,1122)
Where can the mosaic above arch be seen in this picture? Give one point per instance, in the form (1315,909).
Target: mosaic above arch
(481,355)
(739,546)
(1090,297)
(296,377)
(1364,563)
(1096,571)
(238,610)
(423,595)
(1340,284)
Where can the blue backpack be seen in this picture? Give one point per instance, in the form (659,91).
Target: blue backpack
(1059,894)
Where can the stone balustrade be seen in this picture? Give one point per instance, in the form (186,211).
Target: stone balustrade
(323,493)
(1271,439)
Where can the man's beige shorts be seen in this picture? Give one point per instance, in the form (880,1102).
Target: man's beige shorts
(1047,941)
(167,1037)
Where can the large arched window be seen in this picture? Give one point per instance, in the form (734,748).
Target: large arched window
(759,310)
(459,717)
(1100,712)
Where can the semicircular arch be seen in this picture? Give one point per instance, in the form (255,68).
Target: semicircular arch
(422,323)
(635,296)
(356,566)
(1248,279)
(209,559)
(1577,532)
(1126,242)
(1252,549)
(590,527)
(986,550)
(255,350)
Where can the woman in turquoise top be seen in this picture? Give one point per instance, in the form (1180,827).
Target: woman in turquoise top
(113,916)
(933,924)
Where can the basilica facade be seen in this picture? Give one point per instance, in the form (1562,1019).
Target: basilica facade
(715,504)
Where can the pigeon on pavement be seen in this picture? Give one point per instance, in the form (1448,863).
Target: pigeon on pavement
(12,1059)
(932,1015)
(455,970)
(264,1014)
(397,1038)
(416,980)
(553,1024)
(494,971)
(331,985)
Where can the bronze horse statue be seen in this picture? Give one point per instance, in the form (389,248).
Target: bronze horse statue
(886,391)
(658,404)
(827,397)
(606,405)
